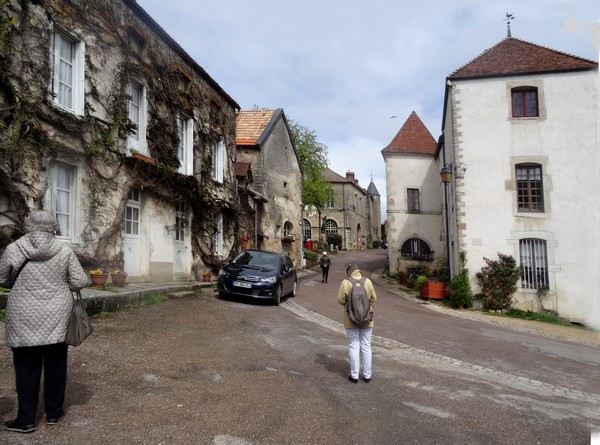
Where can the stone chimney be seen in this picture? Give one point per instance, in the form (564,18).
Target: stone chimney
(350,177)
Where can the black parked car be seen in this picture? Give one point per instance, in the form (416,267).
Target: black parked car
(258,274)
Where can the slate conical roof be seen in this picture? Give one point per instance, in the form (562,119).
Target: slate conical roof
(372,189)
(413,138)
(514,56)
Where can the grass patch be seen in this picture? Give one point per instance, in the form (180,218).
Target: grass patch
(2,314)
(154,299)
(536,316)
(101,314)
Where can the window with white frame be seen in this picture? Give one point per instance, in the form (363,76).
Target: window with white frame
(331,226)
(288,229)
(306,229)
(67,77)
(218,160)
(64,189)
(185,152)
(218,235)
(137,115)
(534,263)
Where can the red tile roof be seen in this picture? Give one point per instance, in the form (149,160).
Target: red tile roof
(251,124)
(513,56)
(413,138)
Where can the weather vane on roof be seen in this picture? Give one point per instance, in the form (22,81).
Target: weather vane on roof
(509,16)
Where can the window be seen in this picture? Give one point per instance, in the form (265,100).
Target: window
(329,199)
(179,222)
(306,229)
(185,151)
(218,235)
(525,102)
(218,161)
(530,192)
(331,226)
(288,229)
(64,191)
(132,213)
(136,42)
(412,199)
(416,249)
(534,263)
(137,115)
(67,65)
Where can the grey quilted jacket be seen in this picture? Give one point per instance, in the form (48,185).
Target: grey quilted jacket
(40,301)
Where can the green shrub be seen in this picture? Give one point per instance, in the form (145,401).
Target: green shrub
(498,280)
(311,256)
(420,280)
(461,294)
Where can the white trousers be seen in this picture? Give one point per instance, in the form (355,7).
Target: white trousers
(359,346)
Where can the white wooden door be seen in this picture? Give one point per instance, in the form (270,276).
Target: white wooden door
(131,237)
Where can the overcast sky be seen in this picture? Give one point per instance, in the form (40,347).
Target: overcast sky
(344,68)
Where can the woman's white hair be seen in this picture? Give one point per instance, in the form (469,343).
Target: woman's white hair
(40,221)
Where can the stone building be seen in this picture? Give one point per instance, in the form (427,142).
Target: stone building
(414,205)
(111,125)
(520,139)
(351,212)
(273,223)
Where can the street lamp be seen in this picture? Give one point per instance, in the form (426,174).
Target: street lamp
(446,175)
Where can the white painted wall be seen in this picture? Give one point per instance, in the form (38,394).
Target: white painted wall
(565,138)
(405,171)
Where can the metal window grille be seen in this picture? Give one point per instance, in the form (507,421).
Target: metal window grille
(534,263)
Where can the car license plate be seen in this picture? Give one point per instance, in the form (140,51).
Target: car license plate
(242,284)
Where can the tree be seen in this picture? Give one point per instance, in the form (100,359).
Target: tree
(313,160)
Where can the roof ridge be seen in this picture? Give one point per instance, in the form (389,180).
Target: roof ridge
(512,56)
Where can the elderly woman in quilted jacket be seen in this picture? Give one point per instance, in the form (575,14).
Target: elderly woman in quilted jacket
(37,314)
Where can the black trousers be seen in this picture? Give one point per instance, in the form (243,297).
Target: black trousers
(29,362)
(325,273)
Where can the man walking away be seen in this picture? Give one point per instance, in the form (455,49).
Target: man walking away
(325,263)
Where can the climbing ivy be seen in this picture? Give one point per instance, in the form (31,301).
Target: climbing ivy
(32,131)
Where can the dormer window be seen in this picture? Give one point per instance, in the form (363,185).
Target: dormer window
(525,102)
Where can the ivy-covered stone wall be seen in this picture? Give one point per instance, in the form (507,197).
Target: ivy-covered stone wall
(121,45)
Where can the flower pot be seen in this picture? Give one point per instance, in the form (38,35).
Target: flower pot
(99,280)
(206,277)
(410,284)
(118,279)
(433,290)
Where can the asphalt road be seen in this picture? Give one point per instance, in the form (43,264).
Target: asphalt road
(201,370)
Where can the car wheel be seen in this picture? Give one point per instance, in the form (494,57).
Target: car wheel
(223,295)
(277,295)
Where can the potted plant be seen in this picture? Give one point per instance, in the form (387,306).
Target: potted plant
(98,277)
(432,289)
(402,277)
(118,277)
(206,277)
